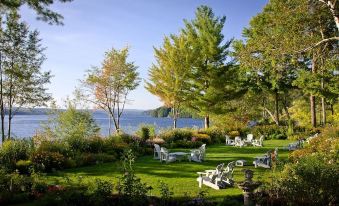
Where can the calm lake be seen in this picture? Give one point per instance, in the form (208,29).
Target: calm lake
(28,125)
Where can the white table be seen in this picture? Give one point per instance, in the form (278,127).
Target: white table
(180,155)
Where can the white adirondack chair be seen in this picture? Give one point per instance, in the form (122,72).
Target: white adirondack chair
(266,160)
(166,156)
(249,139)
(229,141)
(258,143)
(157,151)
(238,142)
(218,178)
(198,155)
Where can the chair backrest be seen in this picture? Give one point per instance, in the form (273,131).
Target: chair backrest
(163,153)
(157,148)
(249,137)
(261,139)
(227,138)
(237,139)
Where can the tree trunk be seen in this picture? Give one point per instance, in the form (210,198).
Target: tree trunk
(2,109)
(207,122)
(313,111)
(277,108)
(175,116)
(312,98)
(109,125)
(323,111)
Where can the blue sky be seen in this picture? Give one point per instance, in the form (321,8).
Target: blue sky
(93,27)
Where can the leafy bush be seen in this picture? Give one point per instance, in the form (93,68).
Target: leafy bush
(310,181)
(216,135)
(270,131)
(176,134)
(46,161)
(205,138)
(103,188)
(145,132)
(129,185)
(184,144)
(24,166)
(95,145)
(234,133)
(12,151)
(54,146)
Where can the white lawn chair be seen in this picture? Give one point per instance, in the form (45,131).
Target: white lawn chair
(249,139)
(258,143)
(157,151)
(266,160)
(238,142)
(229,141)
(198,155)
(218,178)
(166,156)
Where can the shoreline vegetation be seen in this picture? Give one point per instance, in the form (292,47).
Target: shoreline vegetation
(167,112)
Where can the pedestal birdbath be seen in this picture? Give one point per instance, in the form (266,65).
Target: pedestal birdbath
(248,186)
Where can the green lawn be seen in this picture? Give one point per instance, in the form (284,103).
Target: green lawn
(181,176)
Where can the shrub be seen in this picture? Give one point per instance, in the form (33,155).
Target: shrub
(145,132)
(234,133)
(176,134)
(205,138)
(103,188)
(216,135)
(12,151)
(270,131)
(54,146)
(310,181)
(24,166)
(47,161)
(129,185)
(95,144)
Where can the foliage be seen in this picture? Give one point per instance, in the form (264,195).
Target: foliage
(24,166)
(176,134)
(103,188)
(326,144)
(41,7)
(108,86)
(205,138)
(146,132)
(22,81)
(165,193)
(270,131)
(48,161)
(130,186)
(12,151)
(312,179)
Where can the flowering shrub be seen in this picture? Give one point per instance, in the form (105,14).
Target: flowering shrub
(47,161)
(201,138)
(176,134)
(234,133)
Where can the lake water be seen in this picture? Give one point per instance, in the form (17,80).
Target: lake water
(28,125)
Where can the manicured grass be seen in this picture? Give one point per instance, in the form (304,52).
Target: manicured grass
(181,176)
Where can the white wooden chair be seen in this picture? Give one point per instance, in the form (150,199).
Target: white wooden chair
(249,139)
(258,143)
(218,178)
(266,160)
(229,141)
(198,155)
(238,142)
(166,156)
(156,151)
